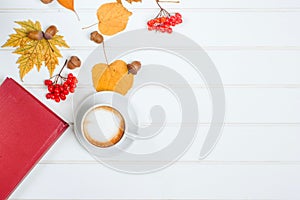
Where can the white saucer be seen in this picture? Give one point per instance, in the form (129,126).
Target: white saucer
(121,104)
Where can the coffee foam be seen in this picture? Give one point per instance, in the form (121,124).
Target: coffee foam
(103,126)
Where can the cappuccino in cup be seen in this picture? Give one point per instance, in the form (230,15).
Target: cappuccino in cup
(103,126)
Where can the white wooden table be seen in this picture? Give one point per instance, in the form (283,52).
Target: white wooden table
(254,44)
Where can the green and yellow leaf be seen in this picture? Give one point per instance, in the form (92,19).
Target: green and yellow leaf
(30,25)
(59,41)
(35,52)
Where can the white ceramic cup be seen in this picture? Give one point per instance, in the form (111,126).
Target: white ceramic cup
(103,126)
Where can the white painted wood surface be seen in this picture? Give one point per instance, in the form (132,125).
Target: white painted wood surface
(255,46)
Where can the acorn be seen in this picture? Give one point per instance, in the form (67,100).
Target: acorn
(74,62)
(35,35)
(46,1)
(134,67)
(50,32)
(96,37)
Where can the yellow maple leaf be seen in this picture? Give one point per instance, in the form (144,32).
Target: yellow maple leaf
(113,18)
(20,37)
(35,52)
(30,56)
(113,77)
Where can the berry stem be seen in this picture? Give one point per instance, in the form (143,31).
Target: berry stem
(157,2)
(62,68)
(57,76)
(162,10)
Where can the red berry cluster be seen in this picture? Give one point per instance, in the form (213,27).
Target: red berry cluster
(59,92)
(164,23)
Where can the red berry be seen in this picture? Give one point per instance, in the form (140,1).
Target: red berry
(68,81)
(56,90)
(162,29)
(57,99)
(50,88)
(65,84)
(66,92)
(179,21)
(172,18)
(56,94)
(72,85)
(150,23)
(62,96)
(72,90)
(52,96)
(167,24)
(48,96)
(178,15)
(173,23)
(48,82)
(74,80)
(61,88)
(70,75)
(169,30)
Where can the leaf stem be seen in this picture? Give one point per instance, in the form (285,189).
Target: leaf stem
(78,18)
(90,26)
(104,52)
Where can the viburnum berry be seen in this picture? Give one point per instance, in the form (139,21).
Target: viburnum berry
(72,90)
(48,95)
(50,88)
(57,99)
(164,20)
(48,82)
(61,86)
(178,15)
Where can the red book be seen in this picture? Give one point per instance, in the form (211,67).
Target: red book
(27,130)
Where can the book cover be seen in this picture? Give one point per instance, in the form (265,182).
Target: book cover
(27,130)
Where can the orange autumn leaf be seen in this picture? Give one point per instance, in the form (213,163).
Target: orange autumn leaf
(130,1)
(113,18)
(69,4)
(113,77)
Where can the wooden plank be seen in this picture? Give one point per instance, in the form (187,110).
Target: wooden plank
(216,28)
(180,181)
(239,144)
(93,4)
(243,105)
(237,68)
